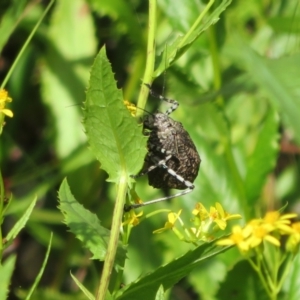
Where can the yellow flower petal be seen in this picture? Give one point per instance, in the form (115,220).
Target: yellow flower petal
(172,218)
(7,112)
(271,239)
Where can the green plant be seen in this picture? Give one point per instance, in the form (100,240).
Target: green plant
(232,66)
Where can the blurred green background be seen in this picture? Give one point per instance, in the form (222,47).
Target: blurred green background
(238,87)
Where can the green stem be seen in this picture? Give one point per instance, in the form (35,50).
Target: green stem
(113,240)
(150,57)
(257,269)
(271,278)
(25,45)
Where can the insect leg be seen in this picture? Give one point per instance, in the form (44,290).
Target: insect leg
(157,163)
(188,184)
(137,205)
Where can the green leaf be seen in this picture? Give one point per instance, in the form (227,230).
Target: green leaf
(21,222)
(168,275)
(10,19)
(182,43)
(85,225)
(160,293)
(69,56)
(242,283)
(292,283)
(264,156)
(279,78)
(40,274)
(83,288)
(218,179)
(113,134)
(6,270)
(182,15)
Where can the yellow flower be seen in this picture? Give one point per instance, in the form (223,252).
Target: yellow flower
(280,222)
(3,99)
(201,211)
(296,227)
(260,232)
(131,107)
(131,218)
(172,218)
(238,237)
(218,215)
(293,241)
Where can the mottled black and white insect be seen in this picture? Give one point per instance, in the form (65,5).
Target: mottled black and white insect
(172,161)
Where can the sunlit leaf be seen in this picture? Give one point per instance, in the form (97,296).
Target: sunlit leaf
(282,87)
(10,19)
(85,225)
(65,74)
(160,294)
(6,270)
(113,134)
(88,294)
(20,224)
(181,44)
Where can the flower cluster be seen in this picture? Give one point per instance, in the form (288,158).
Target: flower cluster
(204,223)
(269,229)
(260,242)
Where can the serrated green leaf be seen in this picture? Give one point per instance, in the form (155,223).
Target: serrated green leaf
(6,270)
(168,275)
(85,225)
(21,222)
(263,158)
(113,134)
(83,288)
(182,43)
(40,274)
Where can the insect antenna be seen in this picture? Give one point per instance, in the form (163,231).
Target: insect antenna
(174,103)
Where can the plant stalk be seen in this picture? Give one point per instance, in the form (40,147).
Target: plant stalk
(113,240)
(148,74)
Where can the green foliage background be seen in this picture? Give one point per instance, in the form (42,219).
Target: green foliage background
(238,86)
